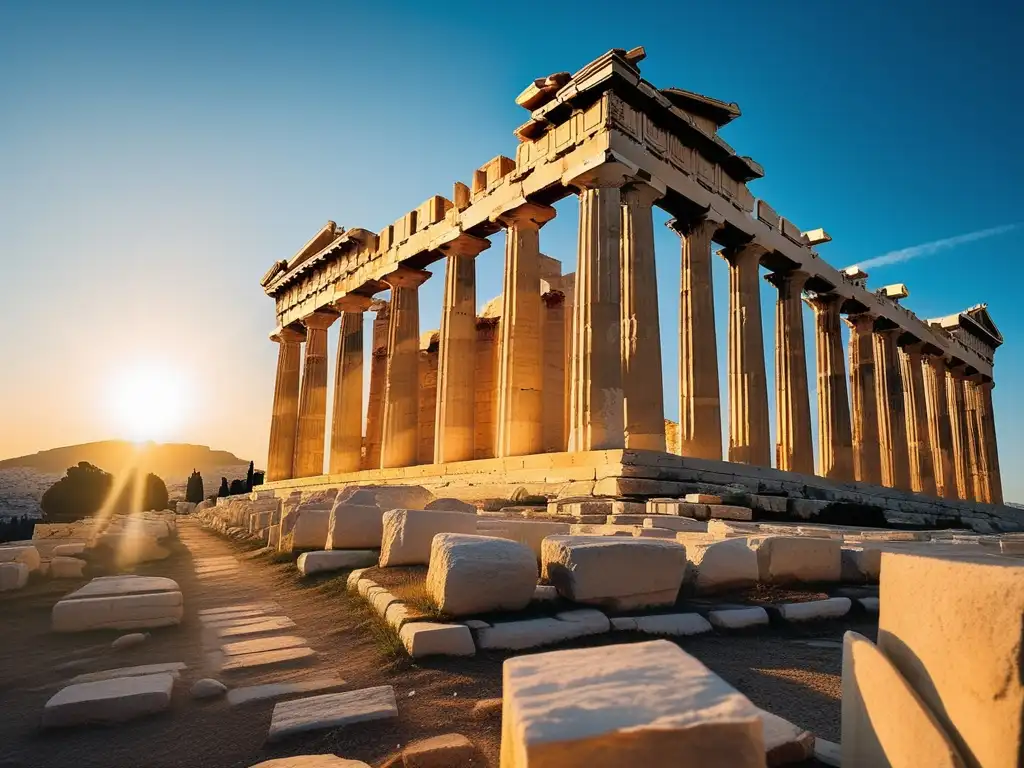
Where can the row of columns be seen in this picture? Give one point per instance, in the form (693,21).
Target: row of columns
(914,423)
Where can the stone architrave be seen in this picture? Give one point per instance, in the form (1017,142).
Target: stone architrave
(749,437)
(378,377)
(309,443)
(794,450)
(892,421)
(554,334)
(922,474)
(596,406)
(400,433)
(520,371)
(956,394)
(976,439)
(700,413)
(988,428)
(454,423)
(347,423)
(644,405)
(835,435)
(284,422)
(940,430)
(867,462)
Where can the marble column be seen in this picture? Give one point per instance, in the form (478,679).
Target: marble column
(994,487)
(426,419)
(597,417)
(520,372)
(922,473)
(892,419)
(940,429)
(284,421)
(793,447)
(957,399)
(749,436)
(309,443)
(700,412)
(643,401)
(378,377)
(454,423)
(835,433)
(554,371)
(976,439)
(867,462)
(400,434)
(488,334)
(347,423)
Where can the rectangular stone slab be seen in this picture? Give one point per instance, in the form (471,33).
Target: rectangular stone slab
(108,701)
(123,585)
(131,611)
(171,667)
(281,658)
(239,608)
(246,694)
(332,710)
(270,624)
(259,645)
(219,622)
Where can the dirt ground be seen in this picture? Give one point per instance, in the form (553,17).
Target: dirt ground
(791,671)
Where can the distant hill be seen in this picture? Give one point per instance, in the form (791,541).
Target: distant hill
(164,459)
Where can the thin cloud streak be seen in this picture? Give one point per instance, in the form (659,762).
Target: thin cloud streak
(936,246)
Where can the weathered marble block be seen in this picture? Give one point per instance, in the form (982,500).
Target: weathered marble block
(529,532)
(355,526)
(791,559)
(109,701)
(310,530)
(335,560)
(408,534)
(26,554)
(477,574)
(646,704)
(721,565)
(13,576)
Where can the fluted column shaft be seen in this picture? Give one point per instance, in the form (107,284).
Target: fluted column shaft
(644,405)
(309,444)
(749,436)
(400,435)
(700,411)
(554,371)
(378,378)
(520,372)
(347,422)
(867,464)
(922,473)
(284,420)
(988,427)
(597,417)
(835,433)
(940,429)
(957,397)
(892,419)
(976,439)
(455,422)
(793,446)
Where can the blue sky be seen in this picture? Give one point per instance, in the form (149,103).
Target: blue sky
(156,158)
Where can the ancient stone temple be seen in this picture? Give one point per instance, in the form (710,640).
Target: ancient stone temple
(550,388)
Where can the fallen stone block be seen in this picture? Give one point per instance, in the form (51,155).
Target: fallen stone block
(675,523)
(884,721)
(625,519)
(529,532)
(310,529)
(677,507)
(335,560)
(860,564)
(615,572)
(531,633)
(387,496)
(644,703)
(172,668)
(451,505)
(13,576)
(332,710)
(813,610)
(69,550)
(408,534)
(426,638)
(738,618)
(112,586)
(66,568)
(655,533)
(729,512)
(785,743)
(26,554)
(250,693)
(794,559)
(478,574)
(593,621)
(129,611)
(108,701)
(721,565)
(673,624)
(355,526)
(953,627)
(702,498)
(399,614)
(445,751)
(285,657)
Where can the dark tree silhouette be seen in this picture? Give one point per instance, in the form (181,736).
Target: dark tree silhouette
(84,490)
(194,489)
(237,487)
(224,489)
(258,478)
(16,528)
(248,478)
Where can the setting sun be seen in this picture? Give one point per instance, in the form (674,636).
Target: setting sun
(147,401)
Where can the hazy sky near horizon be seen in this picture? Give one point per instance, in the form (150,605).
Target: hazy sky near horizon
(155,159)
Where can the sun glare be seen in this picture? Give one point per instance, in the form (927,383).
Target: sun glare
(147,402)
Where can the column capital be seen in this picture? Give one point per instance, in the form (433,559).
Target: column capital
(552,298)
(321,319)
(288,335)
(743,254)
(707,223)
(406,277)
(528,214)
(863,322)
(958,372)
(353,302)
(824,302)
(938,362)
(794,279)
(914,350)
(465,245)
(607,174)
(642,193)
